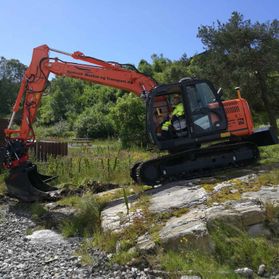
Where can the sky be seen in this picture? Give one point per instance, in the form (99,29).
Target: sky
(118,30)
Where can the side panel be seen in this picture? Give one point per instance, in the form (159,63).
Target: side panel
(239,117)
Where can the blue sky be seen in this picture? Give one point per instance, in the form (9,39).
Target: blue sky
(120,30)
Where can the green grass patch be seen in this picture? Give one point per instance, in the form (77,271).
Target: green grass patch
(106,163)
(86,220)
(236,248)
(3,189)
(269,178)
(194,263)
(238,187)
(269,154)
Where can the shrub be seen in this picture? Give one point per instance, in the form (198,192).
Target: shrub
(128,118)
(93,123)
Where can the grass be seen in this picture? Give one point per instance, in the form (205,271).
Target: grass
(86,221)
(106,163)
(238,187)
(269,154)
(193,263)
(236,248)
(3,189)
(233,248)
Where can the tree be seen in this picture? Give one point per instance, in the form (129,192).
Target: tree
(63,102)
(11,72)
(244,53)
(94,122)
(128,118)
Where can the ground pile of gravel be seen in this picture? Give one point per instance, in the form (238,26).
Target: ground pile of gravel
(21,257)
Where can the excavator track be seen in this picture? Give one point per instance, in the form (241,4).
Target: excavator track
(194,163)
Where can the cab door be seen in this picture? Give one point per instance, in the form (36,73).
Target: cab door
(205,110)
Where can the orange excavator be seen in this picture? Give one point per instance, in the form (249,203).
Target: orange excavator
(205,119)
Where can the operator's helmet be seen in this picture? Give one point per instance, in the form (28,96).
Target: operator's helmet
(177,97)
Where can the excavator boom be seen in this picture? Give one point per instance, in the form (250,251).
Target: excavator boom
(97,71)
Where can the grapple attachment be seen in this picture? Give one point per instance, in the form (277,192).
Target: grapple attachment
(27,184)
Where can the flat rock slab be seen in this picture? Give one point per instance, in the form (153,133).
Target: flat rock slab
(194,225)
(45,236)
(177,197)
(113,216)
(264,195)
(162,199)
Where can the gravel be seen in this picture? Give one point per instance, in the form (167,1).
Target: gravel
(21,257)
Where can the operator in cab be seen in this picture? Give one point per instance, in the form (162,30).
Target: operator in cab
(176,120)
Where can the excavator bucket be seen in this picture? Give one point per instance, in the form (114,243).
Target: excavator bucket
(27,184)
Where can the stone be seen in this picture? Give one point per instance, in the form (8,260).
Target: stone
(45,236)
(261,270)
(190,277)
(251,212)
(188,229)
(113,218)
(177,197)
(145,243)
(264,195)
(259,230)
(245,272)
(241,213)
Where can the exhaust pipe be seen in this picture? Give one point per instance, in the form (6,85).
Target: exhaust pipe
(27,184)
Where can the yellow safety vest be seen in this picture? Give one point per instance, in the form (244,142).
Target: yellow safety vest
(177,111)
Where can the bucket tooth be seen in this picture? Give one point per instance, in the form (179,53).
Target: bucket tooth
(26,184)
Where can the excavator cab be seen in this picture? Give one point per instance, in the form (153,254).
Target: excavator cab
(200,118)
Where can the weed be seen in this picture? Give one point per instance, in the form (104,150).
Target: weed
(124,257)
(269,178)
(104,163)
(194,262)
(126,200)
(269,154)
(106,241)
(236,248)
(272,212)
(3,189)
(84,252)
(86,221)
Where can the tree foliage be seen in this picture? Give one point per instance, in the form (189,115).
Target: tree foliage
(243,53)
(128,118)
(11,72)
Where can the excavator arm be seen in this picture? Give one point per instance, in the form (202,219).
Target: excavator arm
(96,71)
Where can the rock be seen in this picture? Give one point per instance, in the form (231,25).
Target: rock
(177,197)
(259,230)
(45,236)
(251,212)
(241,213)
(145,243)
(116,218)
(261,270)
(221,213)
(190,277)
(233,182)
(188,229)
(218,187)
(264,195)
(245,272)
